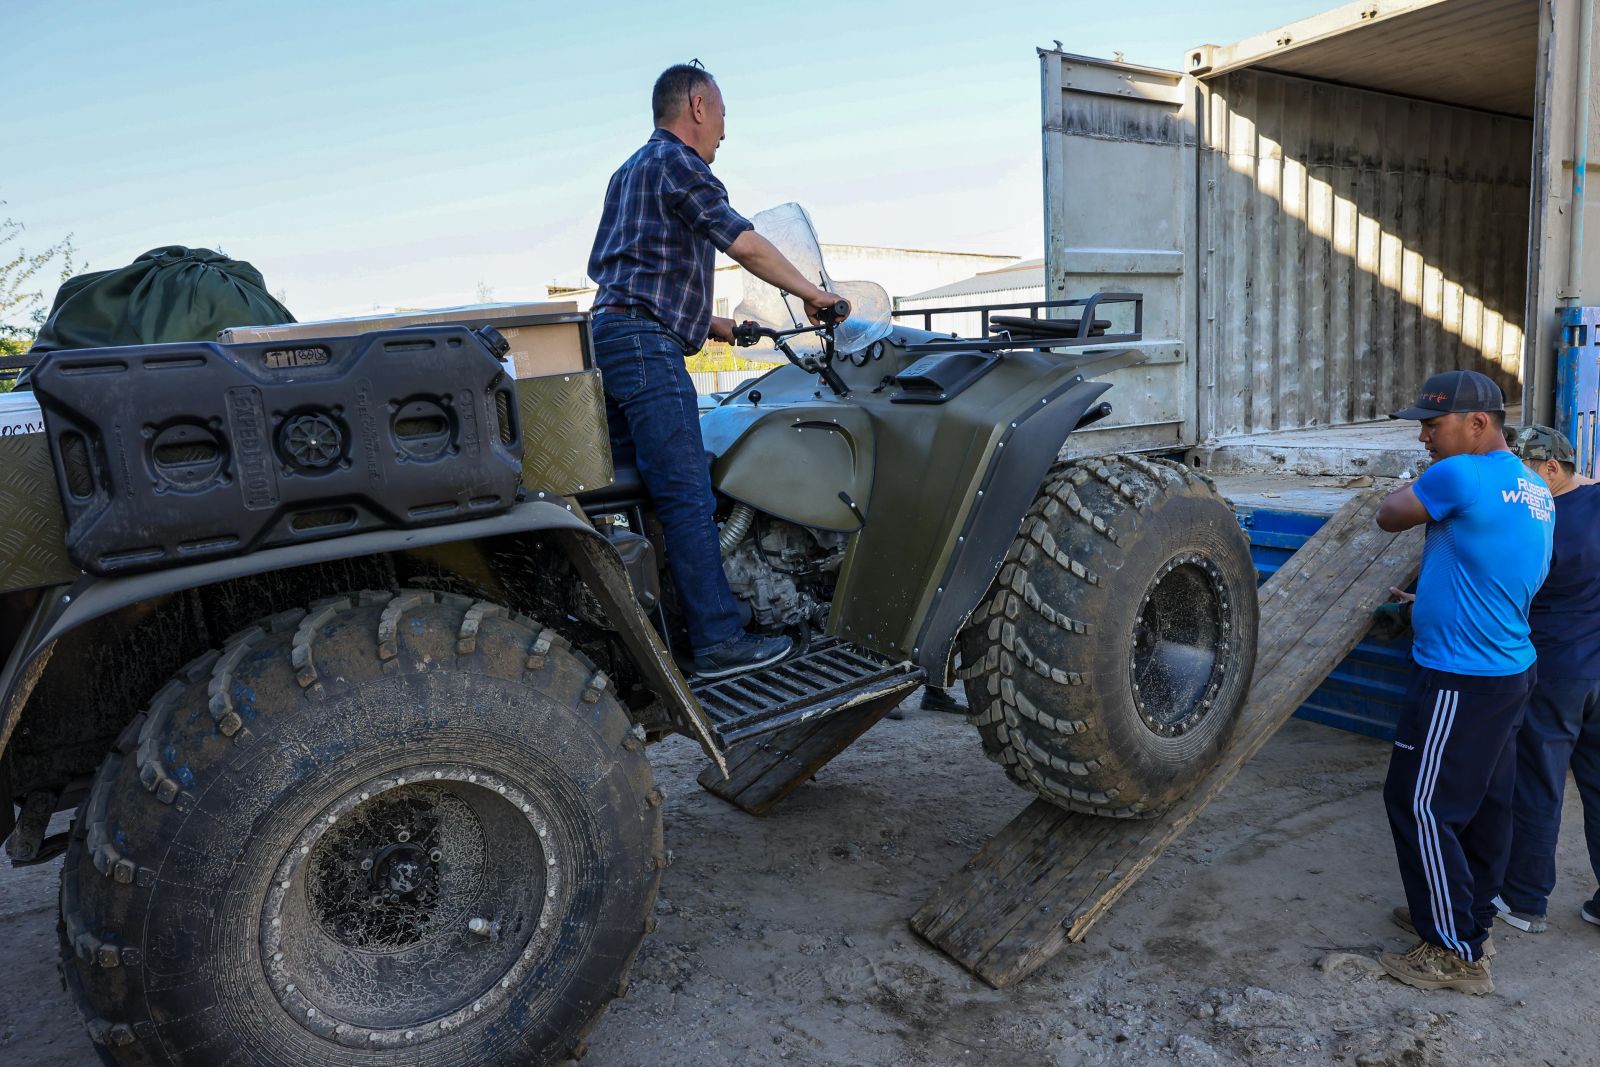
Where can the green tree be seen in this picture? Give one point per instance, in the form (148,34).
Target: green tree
(24,274)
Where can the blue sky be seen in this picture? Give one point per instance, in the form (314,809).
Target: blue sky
(365,153)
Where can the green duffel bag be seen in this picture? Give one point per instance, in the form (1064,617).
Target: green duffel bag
(167,294)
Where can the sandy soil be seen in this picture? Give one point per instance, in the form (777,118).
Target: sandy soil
(784,940)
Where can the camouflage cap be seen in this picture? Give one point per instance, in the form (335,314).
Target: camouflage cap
(1537,443)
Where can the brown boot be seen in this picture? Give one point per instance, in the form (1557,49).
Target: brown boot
(1402,918)
(1427,966)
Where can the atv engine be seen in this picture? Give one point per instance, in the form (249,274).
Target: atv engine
(785,572)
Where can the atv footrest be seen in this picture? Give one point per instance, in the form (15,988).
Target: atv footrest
(830,676)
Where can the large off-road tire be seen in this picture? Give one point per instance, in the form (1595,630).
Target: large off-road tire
(1107,664)
(398,828)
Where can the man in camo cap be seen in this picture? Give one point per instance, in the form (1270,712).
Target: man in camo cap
(1562,725)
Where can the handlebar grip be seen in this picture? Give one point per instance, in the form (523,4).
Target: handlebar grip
(832,316)
(746,334)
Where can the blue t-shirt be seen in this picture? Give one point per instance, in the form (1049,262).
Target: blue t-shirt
(1487,552)
(1566,613)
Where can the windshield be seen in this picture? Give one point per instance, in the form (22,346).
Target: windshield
(789,228)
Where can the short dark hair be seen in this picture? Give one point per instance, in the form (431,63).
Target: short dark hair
(674,88)
(1497,419)
(1570,468)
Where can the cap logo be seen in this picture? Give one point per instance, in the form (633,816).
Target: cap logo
(1437,398)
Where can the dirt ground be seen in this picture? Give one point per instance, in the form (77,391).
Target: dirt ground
(784,940)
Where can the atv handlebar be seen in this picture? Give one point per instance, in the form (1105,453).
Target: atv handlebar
(748,333)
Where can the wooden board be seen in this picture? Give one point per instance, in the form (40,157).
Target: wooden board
(763,771)
(1044,879)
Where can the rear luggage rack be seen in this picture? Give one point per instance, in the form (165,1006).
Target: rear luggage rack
(1075,328)
(830,676)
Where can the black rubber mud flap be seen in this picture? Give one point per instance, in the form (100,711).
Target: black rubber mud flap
(1028,447)
(178,453)
(66,608)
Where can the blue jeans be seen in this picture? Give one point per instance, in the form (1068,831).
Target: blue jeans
(1562,729)
(655,426)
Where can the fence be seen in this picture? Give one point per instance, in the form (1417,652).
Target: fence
(722,381)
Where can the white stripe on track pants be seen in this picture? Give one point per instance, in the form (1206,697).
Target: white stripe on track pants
(1449,800)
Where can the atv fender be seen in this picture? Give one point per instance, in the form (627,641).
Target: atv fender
(67,607)
(811,464)
(1016,469)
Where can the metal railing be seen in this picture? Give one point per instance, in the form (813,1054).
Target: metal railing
(1082,334)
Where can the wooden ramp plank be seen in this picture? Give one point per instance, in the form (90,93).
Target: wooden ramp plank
(763,771)
(1047,877)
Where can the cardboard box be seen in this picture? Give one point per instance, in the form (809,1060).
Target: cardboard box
(546,338)
(19,414)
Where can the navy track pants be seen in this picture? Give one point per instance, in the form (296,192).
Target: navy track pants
(1562,729)
(1449,799)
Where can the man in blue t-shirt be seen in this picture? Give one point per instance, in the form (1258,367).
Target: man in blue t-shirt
(1562,727)
(1449,788)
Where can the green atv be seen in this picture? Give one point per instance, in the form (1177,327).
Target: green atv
(346,652)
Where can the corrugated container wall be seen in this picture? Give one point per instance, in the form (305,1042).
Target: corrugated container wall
(1321,215)
(1352,243)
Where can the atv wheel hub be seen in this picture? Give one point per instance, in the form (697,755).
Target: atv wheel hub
(411,906)
(1180,646)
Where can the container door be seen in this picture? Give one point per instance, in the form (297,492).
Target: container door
(1119,178)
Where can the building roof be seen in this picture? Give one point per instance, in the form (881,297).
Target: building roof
(559,289)
(1023,274)
(825,245)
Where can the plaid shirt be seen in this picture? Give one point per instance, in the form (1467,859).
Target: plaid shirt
(666,218)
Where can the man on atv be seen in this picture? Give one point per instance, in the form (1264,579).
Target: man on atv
(666,217)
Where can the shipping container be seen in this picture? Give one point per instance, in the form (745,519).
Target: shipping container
(1323,215)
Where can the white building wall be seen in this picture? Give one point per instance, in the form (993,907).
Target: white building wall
(582,296)
(904,271)
(967,324)
(901,271)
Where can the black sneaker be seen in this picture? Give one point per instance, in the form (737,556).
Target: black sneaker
(748,653)
(1591,910)
(937,699)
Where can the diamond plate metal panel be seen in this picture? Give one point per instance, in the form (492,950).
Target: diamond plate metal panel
(33,528)
(565,446)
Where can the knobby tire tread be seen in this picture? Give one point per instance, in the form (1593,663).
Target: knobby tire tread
(144,784)
(1033,652)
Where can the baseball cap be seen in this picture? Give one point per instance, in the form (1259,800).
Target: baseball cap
(1537,443)
(1454,391)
